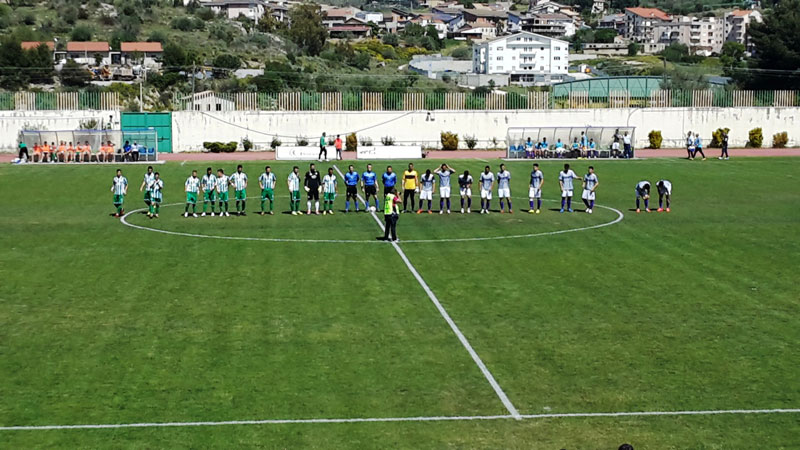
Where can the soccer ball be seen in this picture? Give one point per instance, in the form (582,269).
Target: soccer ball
(372,209)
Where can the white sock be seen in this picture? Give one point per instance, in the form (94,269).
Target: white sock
(309,205)
(316,206)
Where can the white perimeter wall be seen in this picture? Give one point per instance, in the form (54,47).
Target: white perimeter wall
(191,128)
(12,122)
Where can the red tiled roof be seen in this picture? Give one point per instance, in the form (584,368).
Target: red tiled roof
(87,46)
(28,45)
(741,12)
(649,13)
(149,47)
(350,28)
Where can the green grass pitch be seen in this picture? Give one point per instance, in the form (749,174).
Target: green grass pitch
(698,309)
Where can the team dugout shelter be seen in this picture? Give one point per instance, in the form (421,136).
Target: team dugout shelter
(546,141)
(146,139)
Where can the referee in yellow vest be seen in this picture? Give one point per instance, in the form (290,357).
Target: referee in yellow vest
(391,212)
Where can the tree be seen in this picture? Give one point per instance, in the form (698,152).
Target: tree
(685,80)
(777,49)
(675,52)
(633,49)
(81,33)
(605,36)
(225,64)
(307,30)
(73,74)
(174,56)
(390,39)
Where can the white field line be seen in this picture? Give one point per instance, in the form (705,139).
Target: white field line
(400,419)
(488,375)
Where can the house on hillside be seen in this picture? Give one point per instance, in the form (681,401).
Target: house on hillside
(736,24)
(499,19)
(641,23)
(546,24)
(232,9)
(207,101)
(525,57)
(147,54)
(89,53)
(338,16)
(51,46)
(477,31)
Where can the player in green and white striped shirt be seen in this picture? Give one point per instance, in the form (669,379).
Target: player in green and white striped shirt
(293,182)
(330,187)
(148,179)
(209,184)
(267,183)
(156,195)
(222,191)
(119,186)
(192,188)
(239,183)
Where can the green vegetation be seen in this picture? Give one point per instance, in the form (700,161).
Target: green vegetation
(655,138)
(130,326)
(779,140)
(756,138)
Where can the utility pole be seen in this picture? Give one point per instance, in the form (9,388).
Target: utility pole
(193,78)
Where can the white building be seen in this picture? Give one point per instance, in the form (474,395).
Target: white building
(641,24)
(703,36)
(736,24)
(525,57)
(232,9)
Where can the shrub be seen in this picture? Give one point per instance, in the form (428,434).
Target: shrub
(88,124)
(716,137)
(471,141)
(387,140)
(213,147)
(301,141)
(275,143)
(756,138)
(365,141)
(780,140)
(655,139)
(230,147)
(247,144)
(449,141)
(351,142)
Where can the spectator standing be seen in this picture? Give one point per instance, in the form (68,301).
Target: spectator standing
(23,151)
(724,145)
(323,150)
(337,144)
(626,142)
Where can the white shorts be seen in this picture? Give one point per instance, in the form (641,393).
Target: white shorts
(444,191)
(426,195)
(587,194)
(566,193)
(466,192)
(535,192)
(665,191)
(486,194)
(504,193)
(615,146)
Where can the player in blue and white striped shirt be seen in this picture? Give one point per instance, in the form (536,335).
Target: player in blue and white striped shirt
(444,173)
(535,191)
(119,186)
(565,178)
(239,183)
(504,188)
(590,184)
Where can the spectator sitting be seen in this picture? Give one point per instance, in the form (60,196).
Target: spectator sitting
(576,147)
(560,148)
(71,152)
(543,148)
(529,153)
(45,152)
(61,152)
(126,151)
(135,151)
(593,153)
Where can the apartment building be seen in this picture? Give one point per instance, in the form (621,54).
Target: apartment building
(641,24)
(736,24)
(524,56)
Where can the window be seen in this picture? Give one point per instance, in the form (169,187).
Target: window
(499,67)
(500,48)
(557,58)
(499,58)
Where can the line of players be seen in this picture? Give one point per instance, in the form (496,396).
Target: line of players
(215,190)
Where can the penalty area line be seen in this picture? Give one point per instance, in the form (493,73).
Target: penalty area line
(400,419)
(477,359)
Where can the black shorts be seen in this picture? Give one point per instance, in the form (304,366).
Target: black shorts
(352,191)
(371,190)
(313,194)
